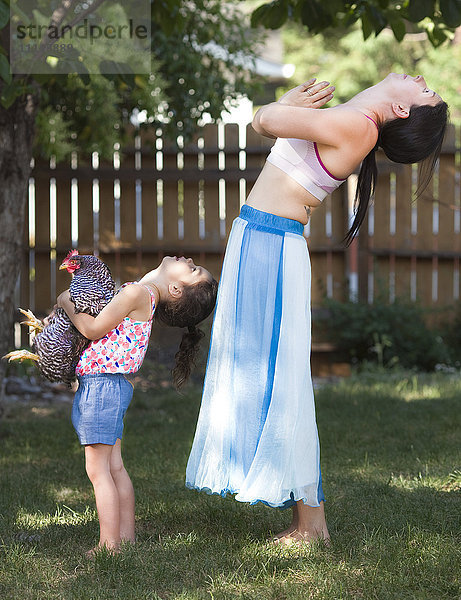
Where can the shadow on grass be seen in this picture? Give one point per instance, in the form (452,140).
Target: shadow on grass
(387,455)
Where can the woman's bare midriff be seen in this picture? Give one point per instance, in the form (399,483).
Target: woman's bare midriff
(277,193)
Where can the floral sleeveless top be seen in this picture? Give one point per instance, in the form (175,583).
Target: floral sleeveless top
(122,350)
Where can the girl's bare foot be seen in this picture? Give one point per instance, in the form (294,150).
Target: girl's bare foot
(91,554)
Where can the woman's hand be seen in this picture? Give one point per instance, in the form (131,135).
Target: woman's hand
(309,94)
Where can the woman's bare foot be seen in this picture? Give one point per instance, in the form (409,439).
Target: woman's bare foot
(307,526)
(299,538)
(293,526)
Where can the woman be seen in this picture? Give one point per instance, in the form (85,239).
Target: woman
(256,434)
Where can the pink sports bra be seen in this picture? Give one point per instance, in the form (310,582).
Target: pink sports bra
(300,160)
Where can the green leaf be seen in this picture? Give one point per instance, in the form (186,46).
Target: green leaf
(377,18)
(17,11)
(112,70)
(107,69)
(5,71)
(271,16)
(451,12)
(4,14)
(85,77)
(349,19)
(44,78)
(126,74)
(141,81)
(9,94)
(167,17)
(332,7)
(398,28)
(419,9)
(69,65)
(367,27)
(314,16)
(436,36)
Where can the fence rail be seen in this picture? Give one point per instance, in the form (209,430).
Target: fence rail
(156,197)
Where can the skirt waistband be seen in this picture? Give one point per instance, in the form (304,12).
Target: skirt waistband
(268,221)
(100,376)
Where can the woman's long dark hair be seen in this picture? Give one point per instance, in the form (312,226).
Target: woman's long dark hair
(195,304)
(418,138)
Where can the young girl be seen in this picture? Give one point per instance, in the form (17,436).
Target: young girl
(181,294)
(256,434)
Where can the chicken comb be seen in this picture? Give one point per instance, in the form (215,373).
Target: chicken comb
(71,254)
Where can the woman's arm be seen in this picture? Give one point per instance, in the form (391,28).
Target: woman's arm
(129,299)
(294,116)
(337,127)
(306,95)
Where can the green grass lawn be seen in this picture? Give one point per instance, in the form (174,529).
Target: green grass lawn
(392,477)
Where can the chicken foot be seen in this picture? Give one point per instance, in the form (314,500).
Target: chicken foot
(35,325)
(21,355)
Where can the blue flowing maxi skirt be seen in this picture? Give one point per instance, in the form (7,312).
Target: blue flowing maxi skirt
(256,434)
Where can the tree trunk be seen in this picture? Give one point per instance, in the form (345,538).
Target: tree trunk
(16,141)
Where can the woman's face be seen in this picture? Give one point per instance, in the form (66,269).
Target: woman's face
(411,90)
(184,270)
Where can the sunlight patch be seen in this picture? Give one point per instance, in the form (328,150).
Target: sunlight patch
(425,392)
(453,482)
(65,493)
(41,411)
(415,482)
(63,516)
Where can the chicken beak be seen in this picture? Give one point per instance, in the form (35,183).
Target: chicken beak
(62,267)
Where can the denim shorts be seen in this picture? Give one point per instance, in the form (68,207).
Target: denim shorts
(99,406)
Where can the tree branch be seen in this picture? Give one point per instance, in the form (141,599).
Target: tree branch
(58,17)
(96,4)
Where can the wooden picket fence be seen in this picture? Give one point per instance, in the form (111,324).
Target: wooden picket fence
(156,198)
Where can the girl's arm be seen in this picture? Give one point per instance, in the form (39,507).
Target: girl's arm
(131,298)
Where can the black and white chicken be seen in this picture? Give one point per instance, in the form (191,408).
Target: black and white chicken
(58,345)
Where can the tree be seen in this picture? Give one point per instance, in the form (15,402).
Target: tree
(439,18)
(353,64)
(66,106)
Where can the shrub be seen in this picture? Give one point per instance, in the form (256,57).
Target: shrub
(451,334)
(385,333)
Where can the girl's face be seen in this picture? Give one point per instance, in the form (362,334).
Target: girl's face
(184,270)
(411,90)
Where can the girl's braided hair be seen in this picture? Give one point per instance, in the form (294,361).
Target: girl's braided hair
(195,304)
